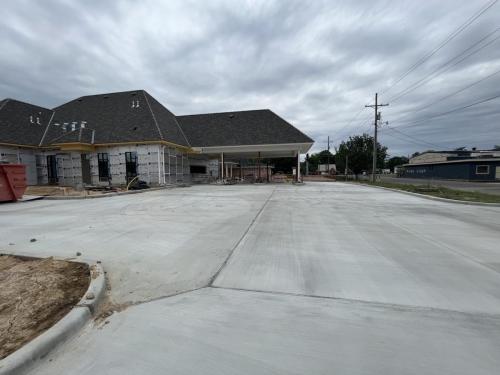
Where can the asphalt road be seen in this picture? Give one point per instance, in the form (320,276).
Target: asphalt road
(319,279)
(482,187)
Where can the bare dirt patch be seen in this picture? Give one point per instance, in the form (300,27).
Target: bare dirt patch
(34,295)
(68,191)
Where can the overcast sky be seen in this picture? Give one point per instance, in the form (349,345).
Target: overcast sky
(315,63)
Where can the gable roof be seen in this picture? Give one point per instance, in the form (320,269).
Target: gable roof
(130,116)
(23,123)
(256,127)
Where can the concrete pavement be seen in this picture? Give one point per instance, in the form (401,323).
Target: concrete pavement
(350,242)
(218,331)
(152,244)
(320,278)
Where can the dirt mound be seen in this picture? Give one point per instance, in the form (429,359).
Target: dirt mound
(34,295)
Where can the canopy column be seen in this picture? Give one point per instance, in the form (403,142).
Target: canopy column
(222,166)
(297,175)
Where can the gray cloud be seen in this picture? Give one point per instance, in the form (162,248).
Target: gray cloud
(315,63)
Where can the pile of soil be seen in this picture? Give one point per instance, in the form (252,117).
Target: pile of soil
(34,295)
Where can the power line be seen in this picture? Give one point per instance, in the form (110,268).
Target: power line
(337,133)
(450,95)
(447,65)
(417,141)
(433,52)
(364,124)
(403,139)
(413,138)
(445,42)
(413,123)
(356,116)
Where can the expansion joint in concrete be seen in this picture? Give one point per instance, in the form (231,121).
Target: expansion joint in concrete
(388,306)
(250,226)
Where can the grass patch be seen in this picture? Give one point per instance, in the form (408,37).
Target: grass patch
(440,191)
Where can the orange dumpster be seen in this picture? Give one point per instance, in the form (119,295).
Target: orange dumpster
(12,182)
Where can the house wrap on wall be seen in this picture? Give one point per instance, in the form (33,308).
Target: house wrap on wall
(113,138)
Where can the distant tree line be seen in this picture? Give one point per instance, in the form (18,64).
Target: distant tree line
(357,153)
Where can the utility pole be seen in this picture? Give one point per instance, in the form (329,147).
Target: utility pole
(328,172)
(377,117)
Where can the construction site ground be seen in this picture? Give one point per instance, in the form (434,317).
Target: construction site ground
(34,295)
(318,278)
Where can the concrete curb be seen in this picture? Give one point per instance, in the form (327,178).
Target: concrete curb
(430,197)
(69,197)
(24,358)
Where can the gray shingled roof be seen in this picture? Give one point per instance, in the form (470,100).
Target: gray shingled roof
(22,123)
(167,122)
(135,116)
(80,135)
(240,128)
(131,116)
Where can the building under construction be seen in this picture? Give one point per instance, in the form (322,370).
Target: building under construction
(110,139)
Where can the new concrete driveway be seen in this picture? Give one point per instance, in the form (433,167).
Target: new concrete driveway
(322,278)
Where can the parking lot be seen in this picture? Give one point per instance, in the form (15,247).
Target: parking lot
(277,279)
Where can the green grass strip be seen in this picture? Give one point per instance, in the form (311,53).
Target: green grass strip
(440,191)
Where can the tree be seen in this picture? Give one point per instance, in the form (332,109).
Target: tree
(322,157)
(496,147)
(396,161)
(359,151)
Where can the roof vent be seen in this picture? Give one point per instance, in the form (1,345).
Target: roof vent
(135,103)
(134,128)
(79,100)
(134,94)
(38,121)
(106,96)
(231,115)
(31,119)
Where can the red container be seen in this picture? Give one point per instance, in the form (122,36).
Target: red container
(12,182)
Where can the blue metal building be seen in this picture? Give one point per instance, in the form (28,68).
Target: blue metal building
(469,169)
(473,165)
